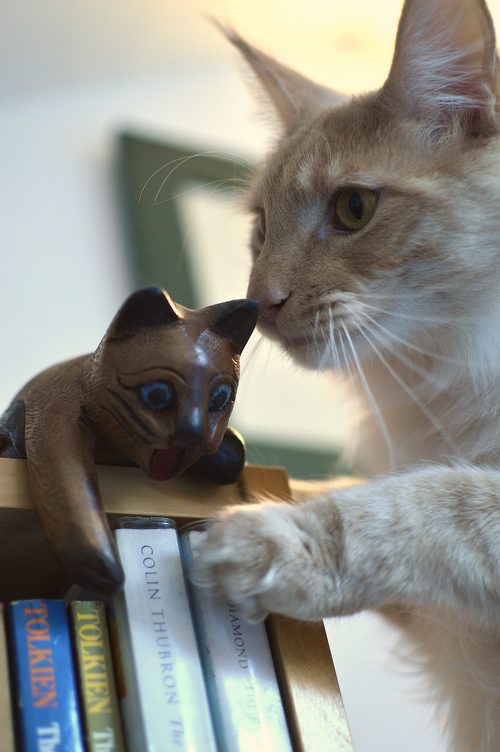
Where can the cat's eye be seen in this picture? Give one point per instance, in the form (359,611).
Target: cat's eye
(157,395)
(354,208)
(220,398)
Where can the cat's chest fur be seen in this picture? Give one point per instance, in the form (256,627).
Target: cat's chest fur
(443,417)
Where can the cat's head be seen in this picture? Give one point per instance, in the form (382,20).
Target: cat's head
(376,217)
(164,378)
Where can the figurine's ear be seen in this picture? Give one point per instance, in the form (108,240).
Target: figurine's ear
(236,319)
(151,306)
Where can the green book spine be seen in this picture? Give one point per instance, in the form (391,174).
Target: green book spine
(96,679)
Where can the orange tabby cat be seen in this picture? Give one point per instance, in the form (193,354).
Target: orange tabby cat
(377,250)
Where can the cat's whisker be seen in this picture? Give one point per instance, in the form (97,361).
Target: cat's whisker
(325,353)
(231,180)
(220,183)
(389,339)
(388,345)
(406,293)
(330,352)
(417,294)
(252,354)
(219,188)
(440,320)
(343,366)
(236,209)
(371,399)
(250,360)
(410,392)
(426,319)
(320,350)
(316,322)
(163,167)
(223,155)
(427,376)
(405,343)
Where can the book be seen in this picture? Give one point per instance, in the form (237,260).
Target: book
(162,690)
(6,721)
(44,687)
(242,686)
(95,676)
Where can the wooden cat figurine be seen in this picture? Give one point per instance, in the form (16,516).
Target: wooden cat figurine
(157,393)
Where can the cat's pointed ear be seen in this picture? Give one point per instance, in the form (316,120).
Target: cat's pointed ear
(145,308)
(290,94)
(236,319)
(445,63)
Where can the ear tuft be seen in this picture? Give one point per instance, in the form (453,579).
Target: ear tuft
(292,96)
(145,308)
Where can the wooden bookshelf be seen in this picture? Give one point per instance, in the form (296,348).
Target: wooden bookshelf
(304,666)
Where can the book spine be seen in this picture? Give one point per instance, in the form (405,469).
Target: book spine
(243,689)
(165,706)
(43,677)
(99,701)
(6,721)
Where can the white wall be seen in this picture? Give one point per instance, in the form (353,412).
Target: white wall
(73,75)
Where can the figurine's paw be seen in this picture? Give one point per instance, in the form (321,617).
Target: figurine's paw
(274,557)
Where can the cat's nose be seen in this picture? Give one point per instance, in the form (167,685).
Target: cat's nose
(269,307)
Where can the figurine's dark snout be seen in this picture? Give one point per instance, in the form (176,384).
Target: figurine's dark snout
(190,429)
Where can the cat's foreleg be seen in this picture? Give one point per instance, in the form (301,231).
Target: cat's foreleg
(424,537)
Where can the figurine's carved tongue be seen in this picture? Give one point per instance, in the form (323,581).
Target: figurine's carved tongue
(163,461)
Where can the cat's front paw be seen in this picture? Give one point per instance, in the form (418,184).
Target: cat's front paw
(270,558)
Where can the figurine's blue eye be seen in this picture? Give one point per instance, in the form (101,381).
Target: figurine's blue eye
(157,395)
(220,398)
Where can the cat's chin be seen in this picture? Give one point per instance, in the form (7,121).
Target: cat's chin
(319,353)
(302,349)
(299,348)
(301,353)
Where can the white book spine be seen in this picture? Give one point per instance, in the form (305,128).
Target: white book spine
(165,707)
(243,690)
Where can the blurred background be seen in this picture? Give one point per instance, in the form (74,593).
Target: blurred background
(75,75)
